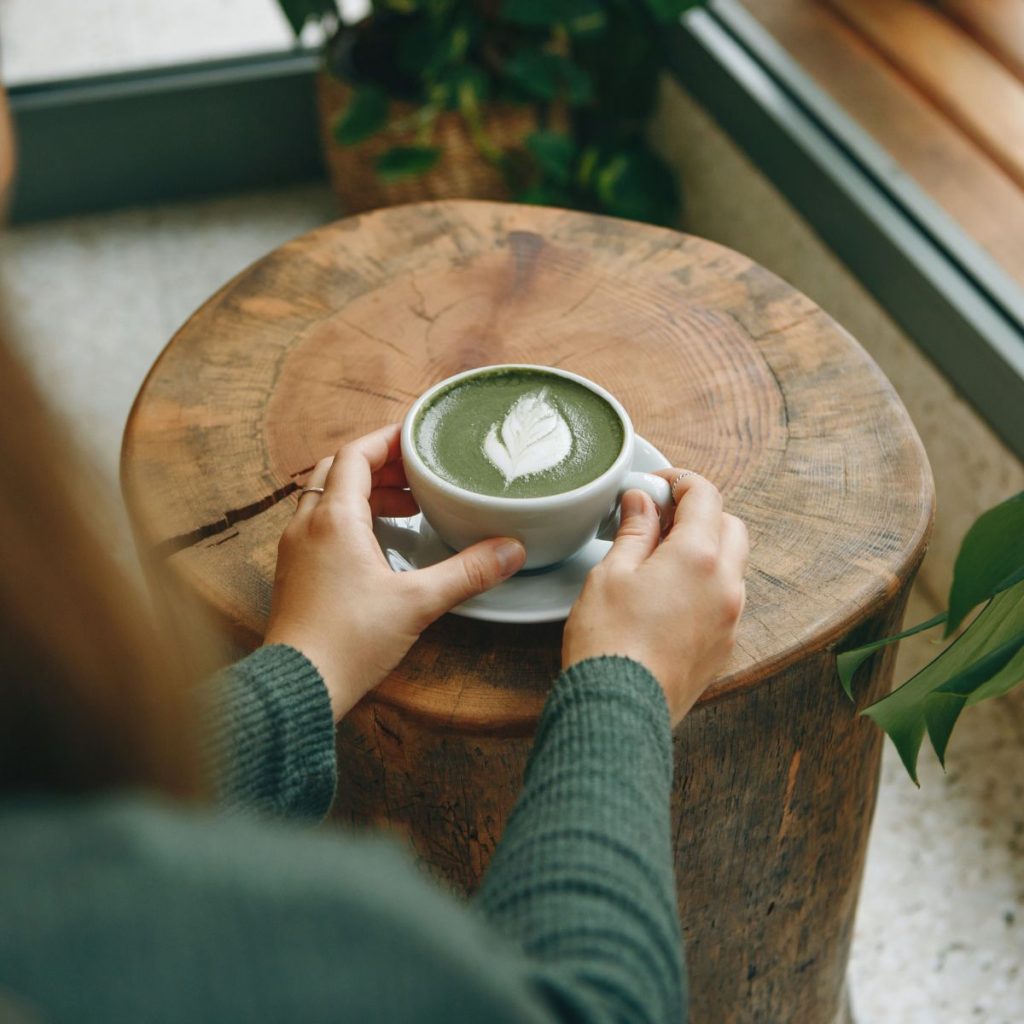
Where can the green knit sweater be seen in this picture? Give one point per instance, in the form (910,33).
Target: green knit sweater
(128,908)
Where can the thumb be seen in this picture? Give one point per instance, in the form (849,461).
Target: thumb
(468,573)
(639,531)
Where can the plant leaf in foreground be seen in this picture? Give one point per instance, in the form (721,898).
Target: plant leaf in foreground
(990,560)
(979,656)
(849,661)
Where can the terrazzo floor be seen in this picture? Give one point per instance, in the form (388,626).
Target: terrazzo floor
(940,930)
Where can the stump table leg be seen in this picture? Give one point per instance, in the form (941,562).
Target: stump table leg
(845,1015)
(775,788)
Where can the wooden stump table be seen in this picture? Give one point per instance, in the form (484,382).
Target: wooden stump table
(726,369)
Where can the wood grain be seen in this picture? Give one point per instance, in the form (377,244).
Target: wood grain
(997,24)
(725,368)
(947,164)
(957,74)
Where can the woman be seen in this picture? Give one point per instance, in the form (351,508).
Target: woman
(127,894)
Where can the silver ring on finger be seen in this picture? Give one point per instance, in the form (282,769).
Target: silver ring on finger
(685,473)
(310,490)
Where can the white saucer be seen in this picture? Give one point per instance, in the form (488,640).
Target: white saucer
(545,596)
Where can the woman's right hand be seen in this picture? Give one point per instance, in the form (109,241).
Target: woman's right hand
(673,606)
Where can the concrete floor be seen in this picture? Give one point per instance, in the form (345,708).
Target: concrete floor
(940,930)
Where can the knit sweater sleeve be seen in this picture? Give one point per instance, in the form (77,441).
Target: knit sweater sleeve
(270,735)
(582,880)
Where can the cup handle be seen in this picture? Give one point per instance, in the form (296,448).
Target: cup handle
(657,488)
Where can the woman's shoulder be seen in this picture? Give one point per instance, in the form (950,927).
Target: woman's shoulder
(130,905)
(137,834)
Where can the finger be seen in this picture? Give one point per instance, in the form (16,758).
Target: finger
(392,475)
(308,499)
(350,480)
(391,501)
(698,515)
(670,473)
(472,571)
(735,545)
(639,531)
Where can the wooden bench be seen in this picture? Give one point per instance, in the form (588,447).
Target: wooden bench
(940,86)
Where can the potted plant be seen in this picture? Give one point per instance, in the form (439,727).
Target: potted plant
(541,101)
(985,660)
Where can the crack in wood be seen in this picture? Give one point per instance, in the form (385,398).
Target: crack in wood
(225,539)
(420,309)
(576,305)
(376,338)
(173,545)
(362,389)
(390,733)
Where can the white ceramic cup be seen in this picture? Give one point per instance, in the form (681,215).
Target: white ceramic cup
(553,527)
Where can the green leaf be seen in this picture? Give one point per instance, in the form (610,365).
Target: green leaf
(965,668)
(555,154)
(589,20)
(545,195)
(588,166)
(608,178)
(625,61)
(941,712)
(848,662)
(531,13)
(943,706)
(635,183)
(991,559)
(465,86)
(298,12)
(425,47)
(578,88)
(406,162)
(1002,682)
(578,16)
(366,114)
(548,76)
(670,10)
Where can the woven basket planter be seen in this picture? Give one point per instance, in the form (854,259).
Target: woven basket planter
(460,173)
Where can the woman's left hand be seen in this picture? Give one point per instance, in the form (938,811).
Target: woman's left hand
(335,597)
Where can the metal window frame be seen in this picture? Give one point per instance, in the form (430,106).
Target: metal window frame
(947,294)
(148,136)
(98,143)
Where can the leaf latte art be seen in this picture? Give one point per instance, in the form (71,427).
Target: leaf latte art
(517,432)
(533,437)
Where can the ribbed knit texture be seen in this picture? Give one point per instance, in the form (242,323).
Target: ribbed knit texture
(124,908)
(271,737)
(583,876)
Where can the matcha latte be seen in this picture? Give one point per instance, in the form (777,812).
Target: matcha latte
(518,433)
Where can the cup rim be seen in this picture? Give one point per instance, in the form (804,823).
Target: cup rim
(496,501)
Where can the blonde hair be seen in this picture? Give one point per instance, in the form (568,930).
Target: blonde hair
(94,694)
